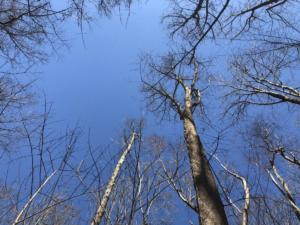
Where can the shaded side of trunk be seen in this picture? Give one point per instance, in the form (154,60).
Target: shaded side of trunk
(112,181)
(211,209)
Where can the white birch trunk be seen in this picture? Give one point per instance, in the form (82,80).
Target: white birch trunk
(112,181)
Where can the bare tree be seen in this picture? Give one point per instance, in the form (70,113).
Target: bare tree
(172,87)
(112,181)
(27,26)
(243,180)
(282,158)
(236,199)
(141,194)
(262,79)
(15,100)
(169,89)
(194,22)
(41,158)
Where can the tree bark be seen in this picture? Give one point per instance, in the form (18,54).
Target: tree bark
(112,181)
(29,202)
(211,209)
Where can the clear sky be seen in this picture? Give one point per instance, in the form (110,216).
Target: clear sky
(97,83)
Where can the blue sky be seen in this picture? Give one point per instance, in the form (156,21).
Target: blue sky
(96,84)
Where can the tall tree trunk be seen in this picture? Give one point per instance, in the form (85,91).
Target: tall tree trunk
(211,209)
(112,181)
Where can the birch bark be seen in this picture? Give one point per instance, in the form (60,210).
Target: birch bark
(112,181)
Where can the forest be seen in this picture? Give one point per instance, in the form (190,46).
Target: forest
(144,112)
